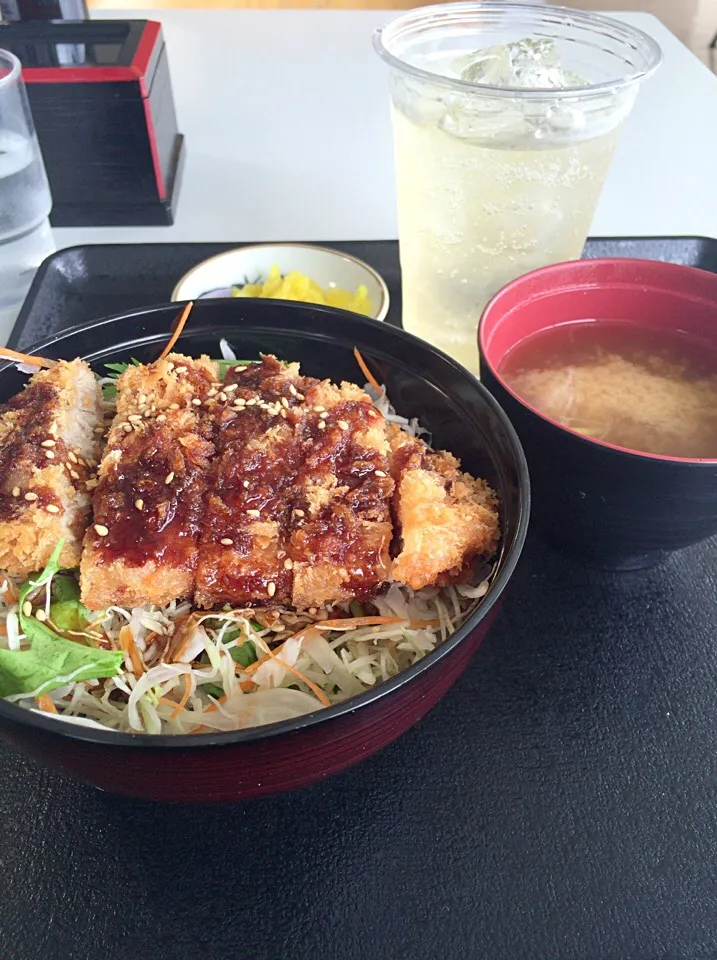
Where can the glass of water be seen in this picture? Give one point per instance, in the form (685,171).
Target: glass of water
(25,201)
(505,120)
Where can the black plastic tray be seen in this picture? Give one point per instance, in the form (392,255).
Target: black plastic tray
(559,804)
(85,283)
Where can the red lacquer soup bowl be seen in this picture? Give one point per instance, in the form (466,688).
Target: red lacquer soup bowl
(421,382)
(616,508)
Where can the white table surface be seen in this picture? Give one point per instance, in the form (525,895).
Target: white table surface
(288,134)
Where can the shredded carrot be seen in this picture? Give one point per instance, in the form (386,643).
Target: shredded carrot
(45,704)
(127,643)
(348,623)
(9,354)
(10,590)
(352,623)
(367,373)
(317,691)
(3,630)
(247,686)
(177,330)
(202,727)
(183,702)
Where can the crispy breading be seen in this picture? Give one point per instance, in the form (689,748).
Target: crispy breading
(149,505)
(48,449)
(341,524)
(445,518)
(259,440)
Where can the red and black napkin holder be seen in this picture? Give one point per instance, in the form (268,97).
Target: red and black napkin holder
(101,98)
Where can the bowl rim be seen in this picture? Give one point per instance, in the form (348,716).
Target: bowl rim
(382,308)
(575,266)
(507,559)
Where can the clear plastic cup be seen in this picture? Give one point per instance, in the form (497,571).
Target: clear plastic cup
(500,158)
(25,201)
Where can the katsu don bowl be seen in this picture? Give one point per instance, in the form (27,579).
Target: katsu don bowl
(240,562)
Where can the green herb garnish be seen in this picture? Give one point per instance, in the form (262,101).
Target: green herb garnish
(51,661)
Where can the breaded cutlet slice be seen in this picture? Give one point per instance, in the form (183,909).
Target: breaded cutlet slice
(259,416)
(445,518)
(149,504)
(341,528)
(48,450)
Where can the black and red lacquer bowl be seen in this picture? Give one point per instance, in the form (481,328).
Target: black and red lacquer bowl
(619,509)
(421,382)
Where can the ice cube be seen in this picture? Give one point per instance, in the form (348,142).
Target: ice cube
(526,64)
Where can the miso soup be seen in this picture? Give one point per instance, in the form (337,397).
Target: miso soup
(646,389)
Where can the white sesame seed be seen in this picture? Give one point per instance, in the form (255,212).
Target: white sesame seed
(222,397)
(101,530)
(174,406)
(53,430)
(31,496)
(251,401)
(322,425)
(41,615)
(161,418)
(74,474)
(253,513)
(380,473)
(169,477)
(142,398)
(323,416)
(170,365)
(127,427)
(240,369)
(319,409)
(343,424)
(47,443)
(212,392)
(271,589)
(313,611)
(245,483)
(231,388)
(134,418)
(288,563)
(285,403)
(299,513)
(226,541)
(16,491)
(180,369)
(283,413)
(52,508)
(27,608)
(139,504)
(240,402)
(49,454)
(292,390)
(71,456)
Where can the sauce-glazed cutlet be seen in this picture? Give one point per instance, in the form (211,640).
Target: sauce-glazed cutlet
(341,526)
(148,506)
(259,437)
(445,518)
(48,450)
(299,510)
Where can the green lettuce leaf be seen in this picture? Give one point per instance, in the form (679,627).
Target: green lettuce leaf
(66,610)
(51,661)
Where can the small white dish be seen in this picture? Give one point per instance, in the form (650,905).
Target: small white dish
(329,268)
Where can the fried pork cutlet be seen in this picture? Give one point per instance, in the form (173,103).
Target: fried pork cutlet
(259,438)
(148,507)
(341,528)
(48,449)
(445,518)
